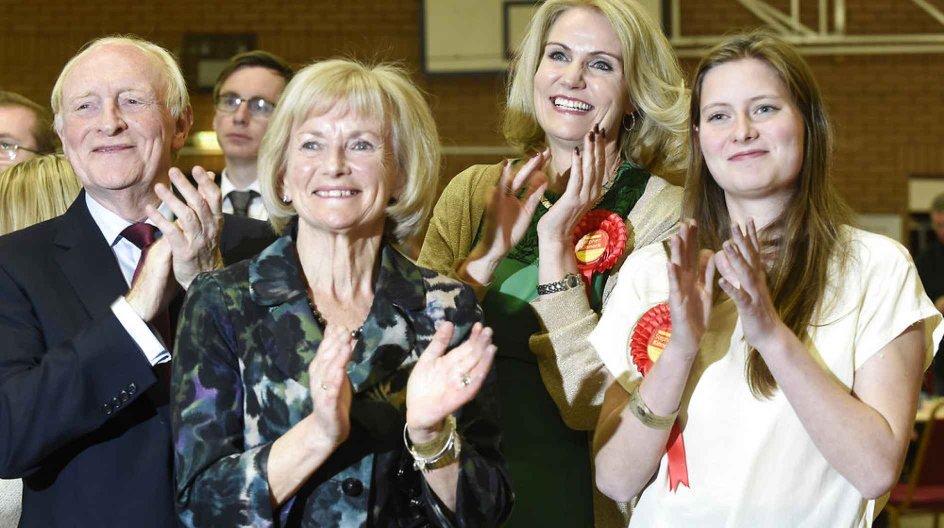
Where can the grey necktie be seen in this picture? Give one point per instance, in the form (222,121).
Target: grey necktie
(241,201)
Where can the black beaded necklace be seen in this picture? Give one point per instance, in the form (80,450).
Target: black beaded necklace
(355,334)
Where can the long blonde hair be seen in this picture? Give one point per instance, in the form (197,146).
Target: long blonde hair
(654,81)
(35,190)
(809,230)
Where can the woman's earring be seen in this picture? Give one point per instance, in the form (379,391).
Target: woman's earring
(286,200)
(632,125)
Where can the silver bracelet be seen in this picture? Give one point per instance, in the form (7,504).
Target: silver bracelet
(571,280)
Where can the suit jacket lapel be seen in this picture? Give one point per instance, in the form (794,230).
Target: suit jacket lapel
(388,336)
(87,260)
(293,334)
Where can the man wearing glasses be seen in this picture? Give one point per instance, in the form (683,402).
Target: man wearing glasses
(245,95)
(25,130)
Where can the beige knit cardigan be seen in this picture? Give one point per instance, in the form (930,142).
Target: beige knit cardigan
(571,371)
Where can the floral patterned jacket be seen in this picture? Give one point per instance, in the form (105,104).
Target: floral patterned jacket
(240,381)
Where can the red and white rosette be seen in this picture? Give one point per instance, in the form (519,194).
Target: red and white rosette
(599,241)
(646,343)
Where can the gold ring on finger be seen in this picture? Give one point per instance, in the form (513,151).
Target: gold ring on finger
(466,380)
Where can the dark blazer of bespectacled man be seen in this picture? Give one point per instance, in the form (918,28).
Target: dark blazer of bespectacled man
(88,307)
(245,95)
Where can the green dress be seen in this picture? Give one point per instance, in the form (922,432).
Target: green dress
(549,462)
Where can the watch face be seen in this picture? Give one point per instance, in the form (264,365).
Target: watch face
(572,281)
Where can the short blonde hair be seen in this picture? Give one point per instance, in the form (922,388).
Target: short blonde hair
(382,91)
(658,141)
(36,190)
(176,98)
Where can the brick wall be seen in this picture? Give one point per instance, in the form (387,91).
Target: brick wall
(887,109)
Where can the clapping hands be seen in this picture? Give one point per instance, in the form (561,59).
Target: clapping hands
(583,191)
(691,283)
(743,277)
(439,384)
(329,385)
(508,215)
(443,382)
(194,237)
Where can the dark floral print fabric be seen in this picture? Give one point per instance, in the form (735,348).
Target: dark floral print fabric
(240,381)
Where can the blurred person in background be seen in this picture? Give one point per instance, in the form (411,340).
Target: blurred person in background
(36,190)
(930,265)
(245,96)
(25,129)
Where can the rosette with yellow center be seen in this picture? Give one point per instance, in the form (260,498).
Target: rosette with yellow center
(647,341)
(600,240)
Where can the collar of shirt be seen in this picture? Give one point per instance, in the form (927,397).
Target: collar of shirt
(226,186)
(110,224)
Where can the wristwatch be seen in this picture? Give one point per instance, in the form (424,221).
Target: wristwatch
(571,280)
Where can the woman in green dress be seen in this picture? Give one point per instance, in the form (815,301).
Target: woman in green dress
(597,104)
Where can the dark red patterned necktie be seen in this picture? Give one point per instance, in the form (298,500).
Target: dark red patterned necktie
(143,235)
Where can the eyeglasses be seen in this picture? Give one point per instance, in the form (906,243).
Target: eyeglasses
(259,107)
(8,150)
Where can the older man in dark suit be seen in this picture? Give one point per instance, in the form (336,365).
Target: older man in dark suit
(88,300)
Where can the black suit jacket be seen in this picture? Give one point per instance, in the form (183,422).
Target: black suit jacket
(78,417)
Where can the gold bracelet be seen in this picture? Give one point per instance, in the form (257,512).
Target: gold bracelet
(449,455)
(437,444)
(645,415)
(432,455)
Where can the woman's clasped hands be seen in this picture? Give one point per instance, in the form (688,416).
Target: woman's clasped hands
(511,205)
(441,382)
(587,175)
(743,277)
(329,385)
(691,283)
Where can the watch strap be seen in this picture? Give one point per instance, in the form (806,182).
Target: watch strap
(571,280)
